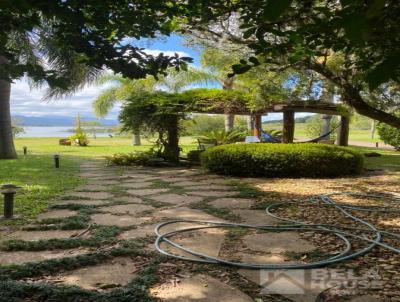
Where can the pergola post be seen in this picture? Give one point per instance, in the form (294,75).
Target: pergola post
(288,126)
(229,122)
(343,131)
(257,125)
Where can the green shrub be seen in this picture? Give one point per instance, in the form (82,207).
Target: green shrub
(282,160)
(389,135)
(194,155)
(223,137)
(133,159)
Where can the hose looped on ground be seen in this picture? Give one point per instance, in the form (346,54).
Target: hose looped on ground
(342,232)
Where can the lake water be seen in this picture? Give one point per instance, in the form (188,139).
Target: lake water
(61,132)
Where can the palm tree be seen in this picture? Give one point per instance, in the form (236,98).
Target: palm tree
(44,50)
(124,88)
(7,149)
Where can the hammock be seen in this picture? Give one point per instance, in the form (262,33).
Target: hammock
(268,138)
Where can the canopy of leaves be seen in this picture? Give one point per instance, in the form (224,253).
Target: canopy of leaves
(366,32)
(101,33)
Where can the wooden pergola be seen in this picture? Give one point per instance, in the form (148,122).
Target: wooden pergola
(288,109)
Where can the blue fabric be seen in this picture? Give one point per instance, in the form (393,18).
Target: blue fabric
(266,137)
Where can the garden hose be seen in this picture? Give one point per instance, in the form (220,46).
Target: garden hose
(342,232)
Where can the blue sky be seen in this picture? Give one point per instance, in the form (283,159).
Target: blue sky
(27,102)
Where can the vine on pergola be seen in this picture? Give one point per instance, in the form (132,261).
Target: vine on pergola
(161,113)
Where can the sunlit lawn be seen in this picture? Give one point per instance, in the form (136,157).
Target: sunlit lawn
(41,182)
(99,147)
(355,135)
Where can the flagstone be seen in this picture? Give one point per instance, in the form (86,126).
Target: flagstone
(91,187)
(56,214)
(118,220)
(199,288)
(105,182)
(144,192)
(232,203)
(92,195)
(21,257)
(278,242)
(135,185)
(184,213)
(140,231)
(256,275)
(40,235)
(127,208)
(89,202)
(211,187)
(207,193)
(129,199)
(177,199)
(185,183)
(115,273)
(204,241)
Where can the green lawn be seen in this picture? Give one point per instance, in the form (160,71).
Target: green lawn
(41,182)
(355,134)
(99,147)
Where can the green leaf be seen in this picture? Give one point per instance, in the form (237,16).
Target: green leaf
(275,8)
(383,72)
(375,8)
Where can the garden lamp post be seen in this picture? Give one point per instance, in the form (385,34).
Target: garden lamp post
(25,148)
(56,160)
(9,190)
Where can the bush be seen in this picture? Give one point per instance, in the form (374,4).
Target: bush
(148,158)
(223,137)
(194,155)
(282,160)
(389,135)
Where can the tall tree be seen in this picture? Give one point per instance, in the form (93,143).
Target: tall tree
(364,34)
(93,33)
(123,89)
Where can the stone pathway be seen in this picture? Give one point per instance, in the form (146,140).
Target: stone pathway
(135,200)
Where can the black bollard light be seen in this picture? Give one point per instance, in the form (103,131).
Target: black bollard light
(25,148)
(377,145)
(9,190)
(57,161)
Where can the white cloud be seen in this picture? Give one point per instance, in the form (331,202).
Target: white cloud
(28,102)
(170,53)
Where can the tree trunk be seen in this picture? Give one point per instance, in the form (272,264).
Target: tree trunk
(288,127)
(257,125)
(250,124)
(352,97)
(171,151)
(343,131)
(229,122)
(7,149)
(227,84)
(136,139)
(326,125)
(373,128)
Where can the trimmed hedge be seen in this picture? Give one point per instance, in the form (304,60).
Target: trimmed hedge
(282,160)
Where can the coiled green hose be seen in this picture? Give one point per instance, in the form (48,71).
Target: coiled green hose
(343,233)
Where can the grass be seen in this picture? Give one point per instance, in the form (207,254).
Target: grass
(355,135)
(98,148)
(39,180)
